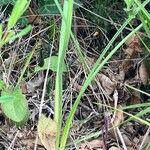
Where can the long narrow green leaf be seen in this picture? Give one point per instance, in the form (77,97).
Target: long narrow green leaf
(145,24)
(81,56)
(18,10)
(64,39)
(136,106)
(8,37)
(133,88)
(1,31)
(138,115)
(144,17)
(145,12)
(23,32)
(27,63)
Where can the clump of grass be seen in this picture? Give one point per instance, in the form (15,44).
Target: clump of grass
(103,59)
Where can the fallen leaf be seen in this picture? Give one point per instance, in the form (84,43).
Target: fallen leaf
(47,130)
(143,73)
(114,148)
(33,16)
(118,118)
(90,145)
(31,85)
(134,42)
(107,84)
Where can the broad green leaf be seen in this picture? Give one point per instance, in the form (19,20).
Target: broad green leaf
(147,146)
(49,9)
(53,65)
(21,33)
(5,99)
(23,21)
(16,108)
(18,10)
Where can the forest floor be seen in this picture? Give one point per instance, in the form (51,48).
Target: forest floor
(114,110)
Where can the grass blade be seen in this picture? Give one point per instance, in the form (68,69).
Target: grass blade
(18,10)
(21,33)
(64,39)
(27,63)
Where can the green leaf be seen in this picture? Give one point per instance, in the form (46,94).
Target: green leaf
(8,37)
(5,99)
(18,10)
(1,84)
(49,9)
(5,2)
(23,21)
(1,31)
(53,65)
(21,33)
(16,108)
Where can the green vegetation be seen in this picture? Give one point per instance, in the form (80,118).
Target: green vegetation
(58,48)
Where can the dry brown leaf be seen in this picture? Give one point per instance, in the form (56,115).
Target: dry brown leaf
(75,84)
(31,85)
(126,139)
(23,87)
(118,118)
(143,73)
(90,145)
(47,130)
(134,41)
(107,84)
(129,51)
(135,98)
(33,16)
(114,148)
(133,46)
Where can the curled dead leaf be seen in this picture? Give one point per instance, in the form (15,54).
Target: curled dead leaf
(118,118)
(133,46)
(107,84)
(134,41)
(47,130)
(143,73)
